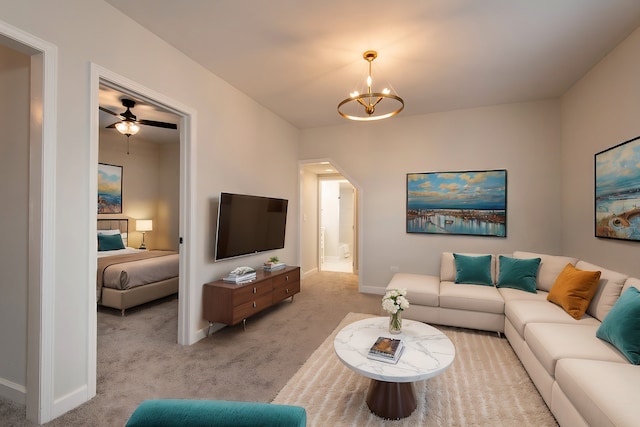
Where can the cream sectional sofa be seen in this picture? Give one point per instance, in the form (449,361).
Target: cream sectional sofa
(584,380)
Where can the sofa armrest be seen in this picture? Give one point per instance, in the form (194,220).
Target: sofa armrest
(421,289)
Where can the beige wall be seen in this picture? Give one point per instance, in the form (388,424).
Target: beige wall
(522,138)
(14,193)
(600,111)
(150,186)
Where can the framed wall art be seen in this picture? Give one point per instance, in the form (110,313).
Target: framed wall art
(617,191)
(469,203)
(109,189)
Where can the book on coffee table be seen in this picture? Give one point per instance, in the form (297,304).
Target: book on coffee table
(386,350)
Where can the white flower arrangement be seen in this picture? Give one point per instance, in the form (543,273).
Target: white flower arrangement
(395,300)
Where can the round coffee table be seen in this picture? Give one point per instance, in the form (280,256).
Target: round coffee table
(428,352)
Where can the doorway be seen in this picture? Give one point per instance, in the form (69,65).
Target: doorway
(337,201)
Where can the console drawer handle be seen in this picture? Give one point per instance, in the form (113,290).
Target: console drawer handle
(254,304)
(254,290)
(286,278)
(287,291)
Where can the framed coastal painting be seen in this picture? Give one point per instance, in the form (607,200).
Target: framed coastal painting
(470,203)
(617,191)
(109,189)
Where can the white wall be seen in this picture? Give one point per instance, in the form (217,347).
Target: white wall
(230,126)
(14,194)
(330,216)
(600,111)
(522,138)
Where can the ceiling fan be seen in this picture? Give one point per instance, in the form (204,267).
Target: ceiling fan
(129,122)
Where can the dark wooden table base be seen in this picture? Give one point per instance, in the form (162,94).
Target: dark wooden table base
(391,400)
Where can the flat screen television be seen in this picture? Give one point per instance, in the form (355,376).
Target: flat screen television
(249,224)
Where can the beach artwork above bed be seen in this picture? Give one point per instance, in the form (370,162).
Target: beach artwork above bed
(109,189)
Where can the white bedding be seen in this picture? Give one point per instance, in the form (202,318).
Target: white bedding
(102,254)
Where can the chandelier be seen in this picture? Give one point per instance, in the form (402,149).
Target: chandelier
(370,105)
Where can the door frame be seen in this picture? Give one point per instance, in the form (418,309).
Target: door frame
(185,334)
(38,393)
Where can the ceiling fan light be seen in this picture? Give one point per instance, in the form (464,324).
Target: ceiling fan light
(127,128)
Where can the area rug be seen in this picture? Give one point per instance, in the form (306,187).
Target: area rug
(485,386)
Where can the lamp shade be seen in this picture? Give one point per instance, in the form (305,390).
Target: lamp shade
(144,225)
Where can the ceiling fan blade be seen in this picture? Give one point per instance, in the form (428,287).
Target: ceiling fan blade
(111,126)
(109,111)
(158,124)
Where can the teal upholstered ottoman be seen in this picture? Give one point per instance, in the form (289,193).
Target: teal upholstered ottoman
(216,413)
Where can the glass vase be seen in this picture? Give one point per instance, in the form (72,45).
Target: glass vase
(395,322)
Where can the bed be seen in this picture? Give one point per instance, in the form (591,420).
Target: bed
(128,277)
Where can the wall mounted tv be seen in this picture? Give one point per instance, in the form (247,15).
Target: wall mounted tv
(249,224)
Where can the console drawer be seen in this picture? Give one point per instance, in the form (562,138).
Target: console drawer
(285,290)
(251,291)
(250,308)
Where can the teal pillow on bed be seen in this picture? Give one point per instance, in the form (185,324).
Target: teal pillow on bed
(110,242)
(621,327)
(517,273)
(474,270)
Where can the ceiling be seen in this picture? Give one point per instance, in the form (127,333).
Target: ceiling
(299,59)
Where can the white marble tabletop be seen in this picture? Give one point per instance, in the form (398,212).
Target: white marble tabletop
(428,352)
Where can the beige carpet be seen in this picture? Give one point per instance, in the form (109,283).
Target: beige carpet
(485,386)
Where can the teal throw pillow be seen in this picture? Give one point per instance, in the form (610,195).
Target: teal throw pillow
(517,273)
(621,327)
(110,243)
(474,270)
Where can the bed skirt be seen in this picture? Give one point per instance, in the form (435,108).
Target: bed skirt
(123,299)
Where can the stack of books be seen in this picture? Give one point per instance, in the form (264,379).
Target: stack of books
(241,275)
(386,350)
(273,266)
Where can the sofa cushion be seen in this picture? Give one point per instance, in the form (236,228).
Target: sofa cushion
(550,267)
(551,342)
(509,294)
(471,297)
(608,291)
(621,327)
(518,273)
(421,288)
(523,312)
(574,289)
(604,393)
(475,270)
(448,266)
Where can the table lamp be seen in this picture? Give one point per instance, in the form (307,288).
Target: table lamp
(144,225)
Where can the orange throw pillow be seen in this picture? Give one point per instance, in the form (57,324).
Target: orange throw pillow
(574,289)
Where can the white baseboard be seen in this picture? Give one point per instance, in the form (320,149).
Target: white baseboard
(310,272)
(70,401)
(14,392)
